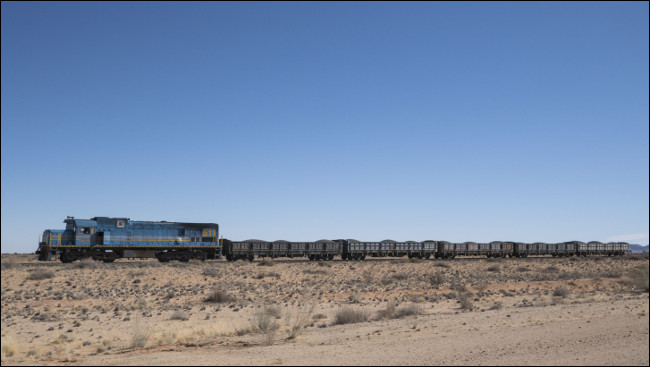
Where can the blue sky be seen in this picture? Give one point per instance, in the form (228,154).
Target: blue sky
(302,121)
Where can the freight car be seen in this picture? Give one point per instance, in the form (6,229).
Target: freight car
(107,239)
(247,250)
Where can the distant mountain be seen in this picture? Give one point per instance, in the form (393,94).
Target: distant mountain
(638,248)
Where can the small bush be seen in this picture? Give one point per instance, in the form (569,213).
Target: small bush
(265,324)
(388,312)
(551,269)
(140,337)
(523,269)
(561,292)
(219,296)
(316,271)
(639,276)
(441,264)
(400,276)
(436,279)
(494,269)
(266,262)
(299,322)
(40,274)
(8,348)
(324,263)
(350,316)
(85,264)
(386,280)
(179,315)
(466,302)
(210,272)
(409,310)
(458,286)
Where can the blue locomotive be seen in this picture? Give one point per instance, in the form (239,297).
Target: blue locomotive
(107,239)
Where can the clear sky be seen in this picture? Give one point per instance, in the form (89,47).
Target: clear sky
(303,121)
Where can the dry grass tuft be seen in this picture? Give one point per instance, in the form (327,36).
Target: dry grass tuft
(140,337)
(639,276)
(561,292)
(210,272)
(437,279)
(494,269)
(350,315)
(264,324)
(85,264)
(266,262)
(179,315)
(40,274)
(219,296)
(8,348)
(466,302)
(298,322)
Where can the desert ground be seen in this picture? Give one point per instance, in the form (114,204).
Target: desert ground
(472,311)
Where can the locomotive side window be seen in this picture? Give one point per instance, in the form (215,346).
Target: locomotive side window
(86,230)
(181,232)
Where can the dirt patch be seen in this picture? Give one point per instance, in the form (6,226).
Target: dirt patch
(464,311)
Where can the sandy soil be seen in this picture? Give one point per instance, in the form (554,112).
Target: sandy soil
(461,312)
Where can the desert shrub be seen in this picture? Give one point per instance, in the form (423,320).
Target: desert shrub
(561,292)
(409,310)
(316,271)
(264,324)
(324,263)
(388,312)
(179,315)
(441,264)
(523,269)
(386,280)
(400,276)
(611,274)
(496,306)
(299,321)
(639,276)
(494,268)
(8,348)
(273,310)
(8,263)
(355,298)
(458,286)
(140,337)
(266,262)
(210,272)
(634,257)
(40,274)
(436,278)
(466,302)
(219,296)
(550,269)
(350,315)
(87,263)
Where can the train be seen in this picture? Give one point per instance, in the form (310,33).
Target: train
(107,239)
